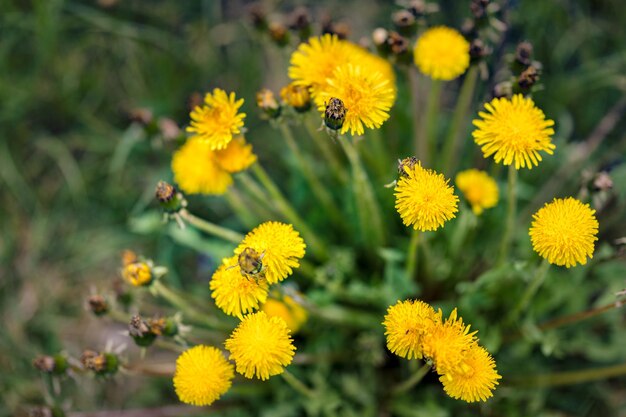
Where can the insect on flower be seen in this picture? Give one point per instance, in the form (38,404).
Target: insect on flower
(250,262)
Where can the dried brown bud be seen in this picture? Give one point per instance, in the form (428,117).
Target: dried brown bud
(503,89)
(335,114)
(524,52)
(399,44)
(279,34)
(138,327)
(140,115)
(408,162)
(169,128)
(169,198)
(341,29)
(98,304)
(479,8)
(94,361)
(300,21)
(405,22)
(528,78)
(603,181)
(478,50)
(257,16)
(44,363)
(417,8)
(164,193)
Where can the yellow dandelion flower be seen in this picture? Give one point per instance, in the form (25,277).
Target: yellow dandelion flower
(442,53)
(514,131)
(287,309)
(367,96)
(424,199)
(476,379)
(281,248)
(297,96)
(236,157)
(202,375)
(197,172)
(314,61)
(137,274)
(218,119)
(480,190)
(261,346)
(448,343)
(234,293)
(564,232)
(406,324)
(373,63)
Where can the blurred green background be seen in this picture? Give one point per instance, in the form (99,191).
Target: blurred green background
(75,170)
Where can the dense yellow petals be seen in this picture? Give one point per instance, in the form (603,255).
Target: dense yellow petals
(514,131)
(202,375)
(442,53)
(424,199)
(281,248)
(218,119)
(261,346)
(475,379)
(196,171)
(479,189)
(287,309)
(564,232)
(137,274)
(406,324)
(234,293)
(236,157)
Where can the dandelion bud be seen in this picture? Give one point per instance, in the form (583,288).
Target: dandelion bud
(399,46)
(417,8)
(300,21)
(524,53)
(258,16)
(100,363)
(406,163)
(138,274)
(267,102)
(379,37)
(296,96)
(528,78)
(603,181)
(341,29)
(163,326)
(479,8)
(405,22)
(503,89)
(478,50)
(56,364)
(279,34)
(335,114)
(98,305)
(140,331)
(169,198)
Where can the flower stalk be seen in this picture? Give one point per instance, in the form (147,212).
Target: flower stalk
(297,385)
(211,228)
(413,380)
(510,214)
(412,254)
(531,290)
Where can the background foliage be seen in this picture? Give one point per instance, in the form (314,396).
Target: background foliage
(77,180)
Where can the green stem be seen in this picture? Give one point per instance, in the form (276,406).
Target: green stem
(367,205)
(211,228)
(510,215)
(531,290)
(576,317)
(240,208)
(183,305)
(569,378)
(321,192)
(421,145)
(412,381)
(311,239)
(296,384)
(453,145)
(411,260)
(324,144)
(428,129)
(346,317)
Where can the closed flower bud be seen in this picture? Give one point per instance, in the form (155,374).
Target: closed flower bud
(101,363)
(296,96)
(141,331)
(258,16)
(300,21)
(478,50)
(169,198)
(524,53)
(98,305)
(267,102)
(405,22)
(138,274)
(399,46)
(479,8)
(279,34)
(56,364)
(528,78)
(379,37)
(341,29)
(335,114)
(164,326)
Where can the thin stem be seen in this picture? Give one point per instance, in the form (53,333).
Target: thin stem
(211,228)
(296,384)
(412,381)
(421,145)
(453,145)
(240,208)
(311,239)
(510,214)
(324,144)
(531,290)
(183,305)
(412,255)
(569,378)
(345,316)
(576,317)
(369,211)
(321,192)
(428,129)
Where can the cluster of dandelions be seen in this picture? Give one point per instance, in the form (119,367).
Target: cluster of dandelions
(261,345)
(414,330)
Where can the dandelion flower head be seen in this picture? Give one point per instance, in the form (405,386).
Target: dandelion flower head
(287,309)
(406,324)
(236,157)
(281,247)
(475,380)
(514,131)
(564,232)
(137,274)
(261,346)
(424,198)
(480,190)
(234,293)
(442,53)
(218,119)
(447,344)
(367,96)
(202,375)
(196,170)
